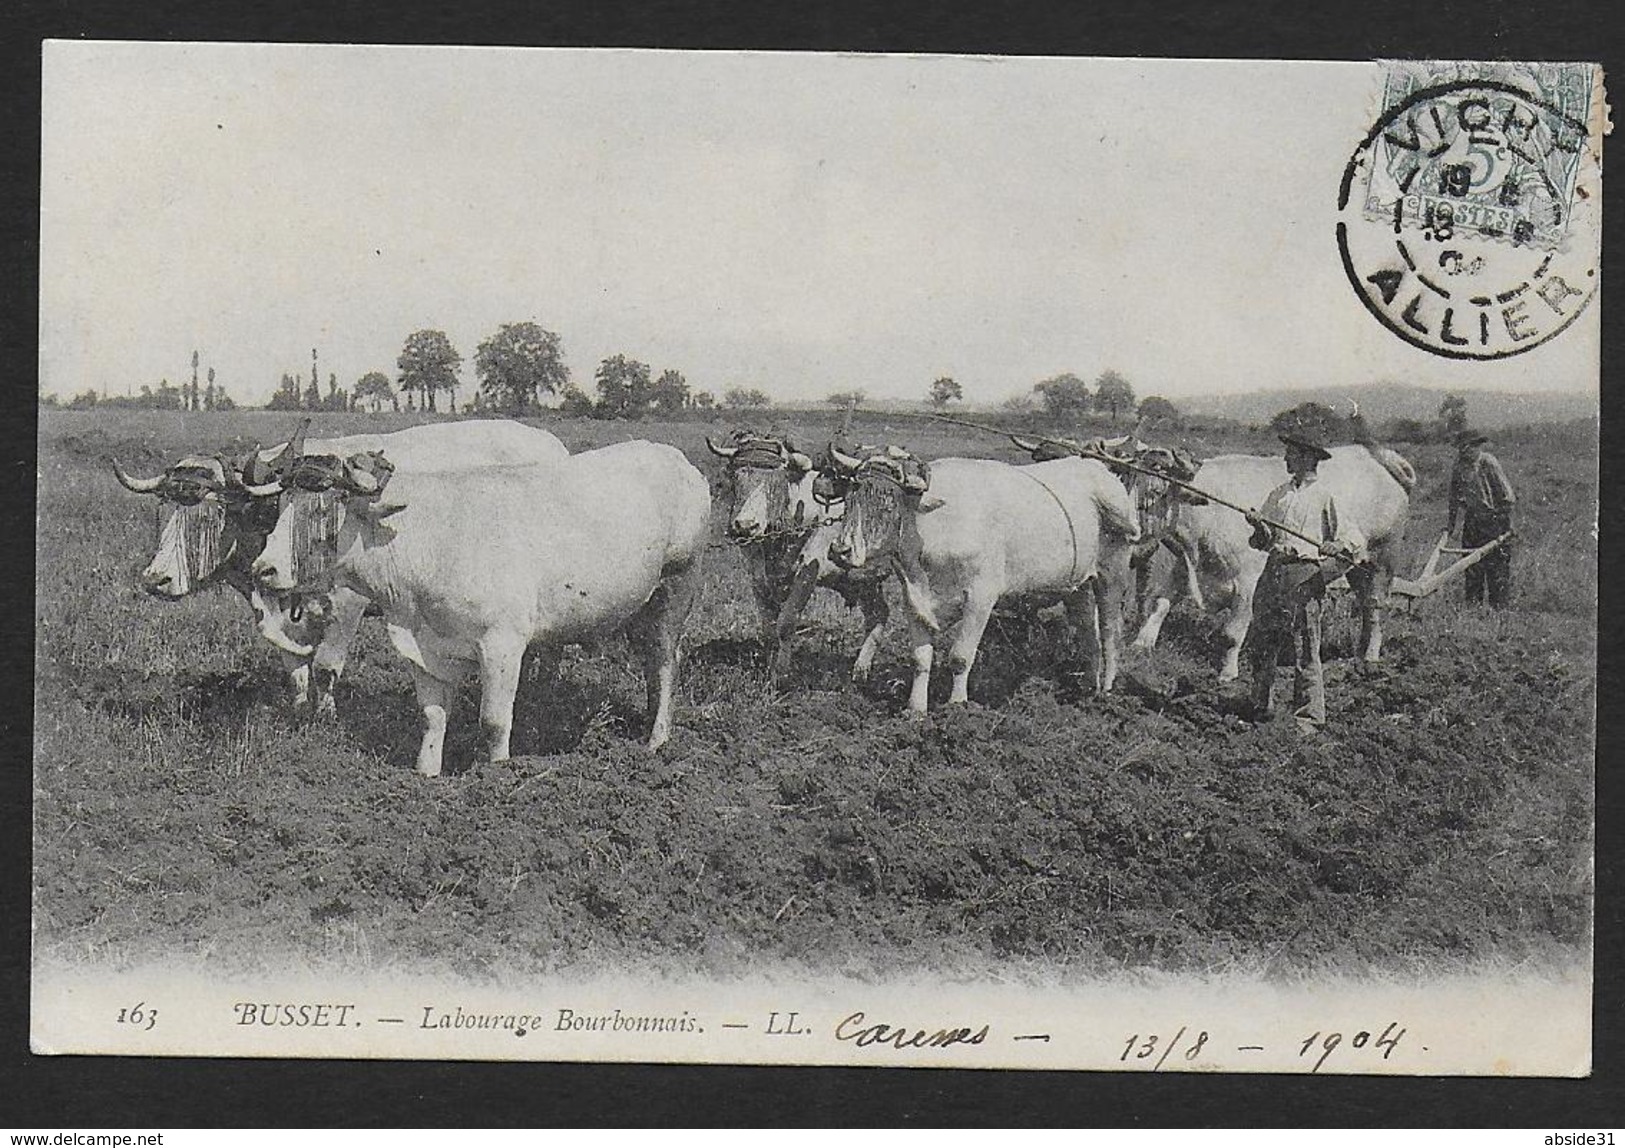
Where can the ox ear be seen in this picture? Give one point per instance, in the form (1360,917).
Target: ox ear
(930,502)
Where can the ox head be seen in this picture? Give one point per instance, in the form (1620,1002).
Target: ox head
(328,503)
(198,523)
(760,473)
(884,491)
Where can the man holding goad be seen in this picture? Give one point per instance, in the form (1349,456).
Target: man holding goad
(1482,498)
(1291,592)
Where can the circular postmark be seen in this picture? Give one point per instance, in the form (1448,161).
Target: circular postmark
(1468,217)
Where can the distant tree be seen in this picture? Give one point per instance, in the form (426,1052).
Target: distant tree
(741,399)
(210,395)
(192,402)
(1409,430)
(1156,409)
(518,364)
(1018,403)
(313,396)
(704,400)
(669,393)
(286,395)
(1065,396)
(1113,393)
(945,391)
(1315,418)
(49,399)
(335,399)
(1452,416)
(428,364)
(845,398)
(623,388)
(374,388)
(84,400)
(167,397)
(577,403)
(223,401)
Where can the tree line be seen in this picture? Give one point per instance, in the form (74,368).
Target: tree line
(166,397)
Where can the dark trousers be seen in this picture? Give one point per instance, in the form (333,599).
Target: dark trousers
(1286,615)
(1492,575)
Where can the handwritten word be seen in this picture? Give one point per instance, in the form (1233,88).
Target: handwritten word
(1388,1041)
(1148,1045)
(854,1030)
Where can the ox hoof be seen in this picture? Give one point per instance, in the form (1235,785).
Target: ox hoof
(326,709)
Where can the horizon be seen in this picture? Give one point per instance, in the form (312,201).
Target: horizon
(796,223)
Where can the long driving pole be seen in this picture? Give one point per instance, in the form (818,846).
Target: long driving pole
(1113,460)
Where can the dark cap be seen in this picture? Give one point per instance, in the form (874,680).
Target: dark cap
(1469,438)
(1310,441)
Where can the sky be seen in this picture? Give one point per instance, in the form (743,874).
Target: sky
(803,224)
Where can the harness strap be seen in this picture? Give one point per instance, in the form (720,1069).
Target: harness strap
(1072,530)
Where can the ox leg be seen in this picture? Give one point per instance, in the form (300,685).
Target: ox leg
(1166,567)
(433,698)
(328,661)
(872,599)
(920,640)
(784,623)
(1370,585)
(1105,606)
(1241,617)
(1146,639)
(501,654)
(298,671)
(662,623)
(966,640)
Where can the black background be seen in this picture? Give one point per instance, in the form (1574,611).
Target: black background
(60,1093)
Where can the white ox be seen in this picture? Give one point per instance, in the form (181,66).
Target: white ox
(472,566)
(1372,485)
(966,532)
(784,534)
(213,527)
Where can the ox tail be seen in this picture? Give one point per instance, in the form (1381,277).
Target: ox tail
(1398,467)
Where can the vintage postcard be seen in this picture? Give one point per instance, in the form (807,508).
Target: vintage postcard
(600,555)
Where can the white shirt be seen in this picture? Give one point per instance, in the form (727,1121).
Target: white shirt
(1308,507)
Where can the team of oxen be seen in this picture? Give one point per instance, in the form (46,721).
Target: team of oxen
(478,540)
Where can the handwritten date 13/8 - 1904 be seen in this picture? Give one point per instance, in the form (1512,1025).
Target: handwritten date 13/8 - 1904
(1154,1049)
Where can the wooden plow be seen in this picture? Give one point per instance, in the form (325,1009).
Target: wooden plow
(1432,578)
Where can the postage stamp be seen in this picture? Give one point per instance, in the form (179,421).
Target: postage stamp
(1467,216)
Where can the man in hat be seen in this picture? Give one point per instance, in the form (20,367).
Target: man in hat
(1291,592)
(1482,498)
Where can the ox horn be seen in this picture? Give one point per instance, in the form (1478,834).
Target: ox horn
(296,445)
(845,463)
(377,512)
(139,485)
(264,490)
(1027,444)
(720,452)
